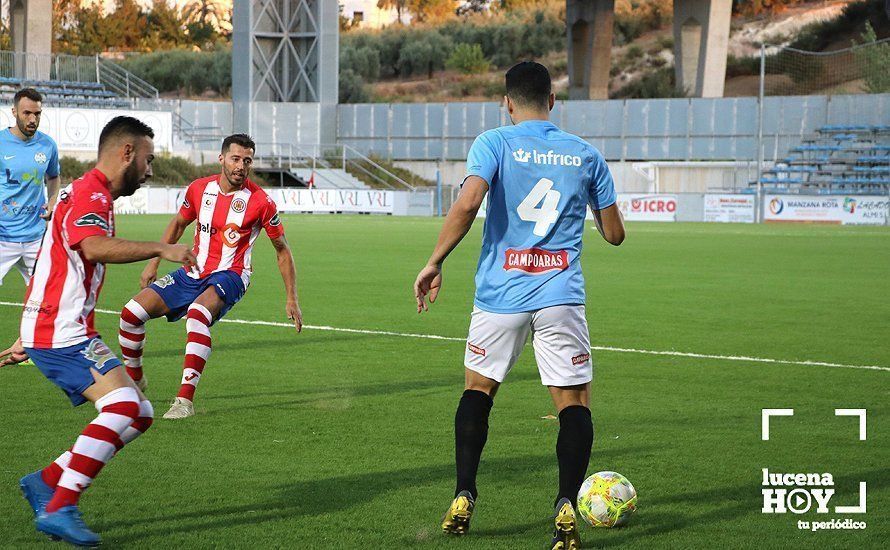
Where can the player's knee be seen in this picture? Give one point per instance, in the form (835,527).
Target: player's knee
(146,410)
(479,383)
(134,314)
(199,312)
(146,416)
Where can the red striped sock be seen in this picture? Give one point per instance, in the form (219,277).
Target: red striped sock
(131,337)
(52,473)
(197,349)
(100,440)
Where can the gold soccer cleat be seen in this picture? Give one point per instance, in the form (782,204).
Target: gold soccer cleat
(565,536)
(457,518)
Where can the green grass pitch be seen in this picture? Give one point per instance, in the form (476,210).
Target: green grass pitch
(344,440)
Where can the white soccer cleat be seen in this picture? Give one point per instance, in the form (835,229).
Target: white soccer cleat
(181,408)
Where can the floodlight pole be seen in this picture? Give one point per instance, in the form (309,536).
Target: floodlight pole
(759,201)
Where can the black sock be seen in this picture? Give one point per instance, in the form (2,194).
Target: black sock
(573,450)
(470,434)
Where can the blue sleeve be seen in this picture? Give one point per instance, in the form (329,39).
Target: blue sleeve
(601,193)
(52,168)
(482,160)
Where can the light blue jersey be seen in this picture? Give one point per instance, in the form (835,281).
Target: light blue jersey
(23,167)
(541,181)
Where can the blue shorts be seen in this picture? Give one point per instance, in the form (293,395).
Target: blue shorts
(71,368)
(179,291)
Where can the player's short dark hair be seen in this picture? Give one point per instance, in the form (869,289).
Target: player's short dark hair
(243,140)
(123,126)
(29,93)
(528,83)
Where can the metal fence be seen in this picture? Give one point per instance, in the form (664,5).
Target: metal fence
(692,129)
(74,68)
(30,66)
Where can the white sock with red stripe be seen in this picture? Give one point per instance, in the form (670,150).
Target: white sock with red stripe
(118,411)
(197,349)
(53,473)
(131,337)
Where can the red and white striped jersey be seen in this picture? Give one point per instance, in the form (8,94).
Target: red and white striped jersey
(61,300)
(228,225)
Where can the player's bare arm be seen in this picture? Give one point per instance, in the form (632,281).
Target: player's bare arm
(289,276)
(610,224)
(172,234)
(111,250)
(457,223)
(52,195)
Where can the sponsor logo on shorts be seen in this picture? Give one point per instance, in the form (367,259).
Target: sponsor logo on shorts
(165,281)
(98,353)
(581,359)
(535,260)
(231,235)
(221,289)
(476,349)
(91,219)
(238,205)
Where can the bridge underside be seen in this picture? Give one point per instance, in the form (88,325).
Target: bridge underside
(701,37)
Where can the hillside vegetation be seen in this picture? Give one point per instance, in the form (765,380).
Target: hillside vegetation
(463,57)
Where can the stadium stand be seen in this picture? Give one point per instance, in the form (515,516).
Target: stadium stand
(837,159)
(65,93)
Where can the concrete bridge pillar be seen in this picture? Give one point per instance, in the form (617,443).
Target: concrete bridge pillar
(701,39)
(589,29)
(31,30)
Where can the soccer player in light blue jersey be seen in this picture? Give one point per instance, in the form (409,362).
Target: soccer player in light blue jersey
(29,167)
(540,182)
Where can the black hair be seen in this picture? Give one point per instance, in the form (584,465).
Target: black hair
(29,93)
(243,140)
(528,83)
(123,126)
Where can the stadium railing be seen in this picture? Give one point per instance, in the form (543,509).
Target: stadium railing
(92,76)
(323,160)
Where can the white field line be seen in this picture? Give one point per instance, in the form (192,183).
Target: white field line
(740,358)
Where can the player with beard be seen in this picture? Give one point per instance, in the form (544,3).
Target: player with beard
(58,331)
(230,211)
(29,159)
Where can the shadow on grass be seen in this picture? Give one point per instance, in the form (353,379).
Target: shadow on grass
(332,495)
(298,342)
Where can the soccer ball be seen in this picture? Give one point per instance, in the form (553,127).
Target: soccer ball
(607,499)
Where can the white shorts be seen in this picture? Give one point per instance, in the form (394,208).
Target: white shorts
(22,256)
(559,336)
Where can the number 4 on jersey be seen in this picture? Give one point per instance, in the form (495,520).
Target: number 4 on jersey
(547,214)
